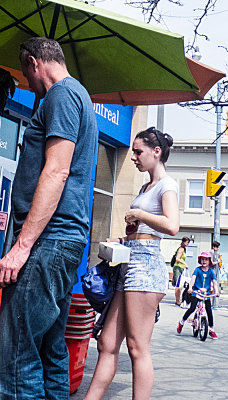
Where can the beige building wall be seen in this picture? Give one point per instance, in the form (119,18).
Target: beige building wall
(190,161)
(128,179)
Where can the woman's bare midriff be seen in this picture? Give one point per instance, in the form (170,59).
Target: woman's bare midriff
(138,236)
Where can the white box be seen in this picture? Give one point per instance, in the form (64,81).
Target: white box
(114,252)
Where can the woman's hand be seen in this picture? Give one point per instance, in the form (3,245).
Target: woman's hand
(132,215)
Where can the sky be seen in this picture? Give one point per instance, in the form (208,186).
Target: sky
(183,123)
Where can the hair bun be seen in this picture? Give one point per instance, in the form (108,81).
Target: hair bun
(169,139)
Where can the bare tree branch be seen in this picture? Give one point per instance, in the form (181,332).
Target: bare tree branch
(149,7)
(224,47)
(151,11)
(210,5)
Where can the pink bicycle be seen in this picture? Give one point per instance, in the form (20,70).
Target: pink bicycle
(199,322)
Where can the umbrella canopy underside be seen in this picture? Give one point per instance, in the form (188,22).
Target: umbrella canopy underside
(117,59)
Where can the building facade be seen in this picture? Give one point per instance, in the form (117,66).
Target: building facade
(188,164)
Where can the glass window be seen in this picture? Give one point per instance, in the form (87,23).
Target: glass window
(105,168)
(226,196)
(8,138)
(196,194)
(102,207)
(103,197)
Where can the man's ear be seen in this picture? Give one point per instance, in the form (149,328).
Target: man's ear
(32,61)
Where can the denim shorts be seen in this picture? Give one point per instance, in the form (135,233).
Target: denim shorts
(146,271)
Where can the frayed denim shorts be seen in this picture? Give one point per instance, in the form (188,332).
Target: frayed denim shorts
(146,270)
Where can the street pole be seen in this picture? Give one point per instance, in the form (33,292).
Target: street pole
(160,117)
(218,110)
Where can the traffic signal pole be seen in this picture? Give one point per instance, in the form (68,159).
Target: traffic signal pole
(218,110)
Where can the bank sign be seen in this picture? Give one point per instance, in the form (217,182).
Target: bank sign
(114,123)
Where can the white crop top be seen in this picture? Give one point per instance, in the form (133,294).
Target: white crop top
(151,201)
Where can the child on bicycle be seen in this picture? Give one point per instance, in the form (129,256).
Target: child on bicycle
(202,279)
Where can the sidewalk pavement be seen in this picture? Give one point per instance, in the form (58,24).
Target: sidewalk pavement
(184,367)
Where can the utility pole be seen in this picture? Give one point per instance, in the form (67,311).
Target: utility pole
(160,117)
(218,110)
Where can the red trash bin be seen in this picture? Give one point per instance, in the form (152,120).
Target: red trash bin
(77,335)
(78,349)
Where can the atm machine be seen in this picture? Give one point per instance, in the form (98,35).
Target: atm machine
(6,181)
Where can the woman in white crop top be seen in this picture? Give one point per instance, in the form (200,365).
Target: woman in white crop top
(143,282)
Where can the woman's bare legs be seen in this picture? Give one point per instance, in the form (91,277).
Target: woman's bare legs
(178,295)
(109,344)
(140,318)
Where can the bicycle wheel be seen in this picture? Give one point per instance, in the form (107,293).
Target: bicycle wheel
(203,329)
(195,326)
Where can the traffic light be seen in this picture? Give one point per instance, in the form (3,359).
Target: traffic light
(212,186)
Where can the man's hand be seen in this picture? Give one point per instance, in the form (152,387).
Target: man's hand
(190,291)
(11,264)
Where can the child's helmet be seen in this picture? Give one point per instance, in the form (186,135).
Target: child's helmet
(205,254)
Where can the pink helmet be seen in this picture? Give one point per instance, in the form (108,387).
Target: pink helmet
(205,254)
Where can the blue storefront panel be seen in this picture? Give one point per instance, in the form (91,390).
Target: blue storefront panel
(114,123)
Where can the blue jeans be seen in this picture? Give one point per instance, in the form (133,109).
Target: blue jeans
(34,311)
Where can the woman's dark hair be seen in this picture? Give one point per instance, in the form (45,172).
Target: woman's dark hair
(152,137)
(185,239)
(215,244)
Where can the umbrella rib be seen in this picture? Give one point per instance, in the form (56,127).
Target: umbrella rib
(41,18)
(93,17)
(73,29)
(54,21)
(73,47)
(85,39)
(20,21)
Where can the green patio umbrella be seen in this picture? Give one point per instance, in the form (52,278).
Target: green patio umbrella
(108,53)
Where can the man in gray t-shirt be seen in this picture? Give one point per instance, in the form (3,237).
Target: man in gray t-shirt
(215,266)
(50,209)
(215,257)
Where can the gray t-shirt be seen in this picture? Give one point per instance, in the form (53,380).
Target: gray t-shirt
(214,257)
(66,112)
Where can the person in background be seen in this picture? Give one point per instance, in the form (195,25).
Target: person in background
(215,257)
(179,267)
(202,279)
(143,282)
(50,210)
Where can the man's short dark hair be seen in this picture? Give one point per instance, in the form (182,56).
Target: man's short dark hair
(215,244)
(41,48)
